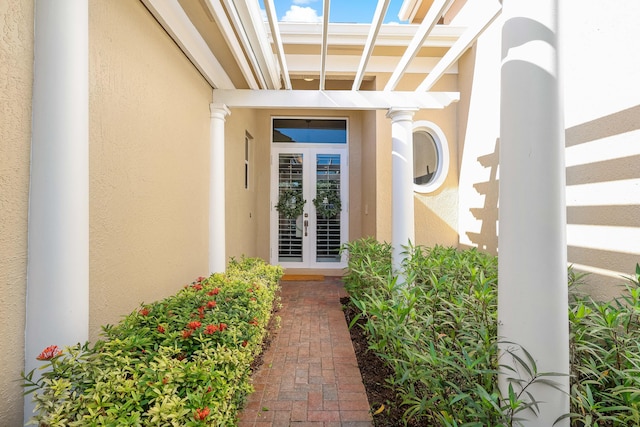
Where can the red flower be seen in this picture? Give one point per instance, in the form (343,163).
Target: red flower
(197,287)
(161,329)
(254,322)
(252,299)
(211,304)
(222,326)
(244,343)
(194,325)
(49,353)
(201,278)
(144,311)
(211,329)
(209,389)
(165,380)
(201,414)
(187,333)
(214,291)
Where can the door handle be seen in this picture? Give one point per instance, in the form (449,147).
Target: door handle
(306,225)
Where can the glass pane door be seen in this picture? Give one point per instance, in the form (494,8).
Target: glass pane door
(328,206)
(309,215)
(290,207)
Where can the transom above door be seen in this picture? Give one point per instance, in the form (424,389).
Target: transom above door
(309,200)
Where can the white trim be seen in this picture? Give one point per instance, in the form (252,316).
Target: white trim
(277,39)
(378,17)
(174,20)
(220,16)
(427,25)
(325,38)
(464,42)
(303,65)
(442,148)
(333,99)
(356,34)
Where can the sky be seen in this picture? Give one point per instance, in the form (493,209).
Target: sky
(347,11)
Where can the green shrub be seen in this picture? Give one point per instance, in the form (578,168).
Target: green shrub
(181,361)
(438,333)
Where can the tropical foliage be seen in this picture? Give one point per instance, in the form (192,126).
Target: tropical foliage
(181,361)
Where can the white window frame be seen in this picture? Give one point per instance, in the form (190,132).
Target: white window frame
(442,148)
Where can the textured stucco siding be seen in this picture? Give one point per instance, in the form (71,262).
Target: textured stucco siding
(16,76)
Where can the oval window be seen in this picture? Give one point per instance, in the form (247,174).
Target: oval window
(430,157)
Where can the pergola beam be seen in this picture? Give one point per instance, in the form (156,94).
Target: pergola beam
(333,99)
(455,52)
(378,17)
(277,40)
(325,38)
(434,14)
(176,23)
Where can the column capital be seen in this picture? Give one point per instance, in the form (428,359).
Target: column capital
(219,110)
(401,113)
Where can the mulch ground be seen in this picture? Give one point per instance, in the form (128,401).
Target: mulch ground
(374,372)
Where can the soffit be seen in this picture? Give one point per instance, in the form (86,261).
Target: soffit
(243,53)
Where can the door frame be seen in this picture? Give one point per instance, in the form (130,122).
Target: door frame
(309,176)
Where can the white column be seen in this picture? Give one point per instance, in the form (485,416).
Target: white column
(217,205)
(402,213)
(532,292)
(57,310)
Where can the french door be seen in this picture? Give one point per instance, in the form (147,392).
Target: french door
(309,206)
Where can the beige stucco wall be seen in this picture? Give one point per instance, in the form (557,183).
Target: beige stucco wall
(242,212)
(16,76)
(149,163)
(601,110)
(436,212)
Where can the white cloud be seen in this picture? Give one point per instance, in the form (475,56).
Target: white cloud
(301,14)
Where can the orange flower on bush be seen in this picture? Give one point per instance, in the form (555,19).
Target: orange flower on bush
(214,291)
(201,414)
(211,329)
(211,304)
(187,333)
(144,311)
(194,325)
(49,353)
(197,287)
(222,326)
(161,329)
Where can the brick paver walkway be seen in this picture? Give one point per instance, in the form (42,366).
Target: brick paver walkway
(309,376)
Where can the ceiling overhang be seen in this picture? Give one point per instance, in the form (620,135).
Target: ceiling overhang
(260,62)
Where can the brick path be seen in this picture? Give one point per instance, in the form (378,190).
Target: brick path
(310,376)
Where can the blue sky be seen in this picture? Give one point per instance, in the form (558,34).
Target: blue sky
(349,11)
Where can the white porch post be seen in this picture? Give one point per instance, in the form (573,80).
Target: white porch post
(57,310)
(532,292)
(217,239)
(402,213)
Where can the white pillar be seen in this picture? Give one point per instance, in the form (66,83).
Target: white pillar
(532,292)
(217,205)
(402,214)
(57,310)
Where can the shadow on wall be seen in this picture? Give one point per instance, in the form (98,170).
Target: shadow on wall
(487,239)
(603,203)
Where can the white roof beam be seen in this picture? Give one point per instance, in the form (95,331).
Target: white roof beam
(455,52)
(234,17)
(325,37)
(333,99)
(277,40)
(429,21)
(174,20)
(344,65)
(254,27)
(220,16)
(378,18)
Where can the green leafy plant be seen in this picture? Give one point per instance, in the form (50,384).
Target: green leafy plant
(182,361)
(438,333)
